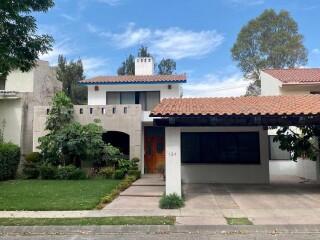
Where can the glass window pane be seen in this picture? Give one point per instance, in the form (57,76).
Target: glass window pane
(249,147)
(160,146)
(113,98)
(228,149)
(153,98)
(128,98)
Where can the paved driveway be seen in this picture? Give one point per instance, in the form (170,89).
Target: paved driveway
(280,202)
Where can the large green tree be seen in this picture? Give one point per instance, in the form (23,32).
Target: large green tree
(20,46)
(69,74)
(127,66)
(268,41)
(166,67)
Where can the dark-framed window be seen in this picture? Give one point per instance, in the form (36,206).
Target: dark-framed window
(220,147)
(275,153)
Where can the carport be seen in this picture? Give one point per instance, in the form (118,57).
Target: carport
(224,140)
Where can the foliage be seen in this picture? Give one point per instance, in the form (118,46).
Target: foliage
(9,160)
(31,170)
(268,41)
(34,157)
(119,174)
(48,172)
(136,173)
(20,46)
(69,74)
(3,125)
(71,173)
(59,195)
(93,221)
(166,67)
(238,221)
(143,52)
(300,142)
(127,66)
(60,112)
(124,165)
(171,201)
(106,173)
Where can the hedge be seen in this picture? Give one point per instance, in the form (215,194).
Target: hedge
(9,160)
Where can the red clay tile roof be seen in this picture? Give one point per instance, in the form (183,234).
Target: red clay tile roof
(295,75)
(262,105)
(175,78)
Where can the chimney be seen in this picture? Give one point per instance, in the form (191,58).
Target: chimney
(144,66)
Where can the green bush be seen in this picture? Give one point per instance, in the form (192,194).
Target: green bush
(124,185)
(71,173)
(171,201)
(9,160)
(119,174)
(34,157)
(48,172)
(131,178)
(124,165)
(31,170)
(136,173)
(107,172)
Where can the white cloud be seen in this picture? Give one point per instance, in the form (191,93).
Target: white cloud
(111,2)
(95,66)
(91,28)
(230,86)
(62,47)
(316,50)
(248,2)
(172,43)
(68,17)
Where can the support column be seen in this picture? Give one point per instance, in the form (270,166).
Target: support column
(173,160)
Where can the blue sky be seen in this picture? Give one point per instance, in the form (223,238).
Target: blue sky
(197,34)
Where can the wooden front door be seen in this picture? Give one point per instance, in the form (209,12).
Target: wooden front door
(154,149)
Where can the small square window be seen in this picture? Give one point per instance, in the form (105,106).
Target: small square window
(81,110)
(114,110)
(125,110)
(103,111)
(91,110)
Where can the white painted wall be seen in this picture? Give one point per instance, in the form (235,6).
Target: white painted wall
(270,86)
(307,169)
(229,173)
(173,160)
(11,111)
(19,81)
(99,97)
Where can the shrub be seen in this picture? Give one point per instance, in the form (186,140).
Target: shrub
(136,173)
(124,185)
(71,173)
(34,157)
(119,174)
(131,178)
(107,172)
(124,165)
(9,160)
(48,172)
(31,170)
(171,201)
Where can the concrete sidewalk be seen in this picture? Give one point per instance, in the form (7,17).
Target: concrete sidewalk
(290,202)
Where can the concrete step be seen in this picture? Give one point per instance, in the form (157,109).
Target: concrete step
(144,191)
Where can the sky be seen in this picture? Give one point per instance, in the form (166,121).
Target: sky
(196,34)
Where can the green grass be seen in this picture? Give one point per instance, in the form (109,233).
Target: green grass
(45,195)
(239,221)
(87,221)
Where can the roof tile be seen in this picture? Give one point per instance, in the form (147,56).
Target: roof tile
(176,78)
(262,105)
(295,75)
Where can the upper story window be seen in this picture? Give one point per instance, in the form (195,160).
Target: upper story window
(148,100)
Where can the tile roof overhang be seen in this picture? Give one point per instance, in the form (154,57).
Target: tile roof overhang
(135,79)
(295,75)
(285,110)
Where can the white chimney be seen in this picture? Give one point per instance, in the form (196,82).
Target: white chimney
(144,66)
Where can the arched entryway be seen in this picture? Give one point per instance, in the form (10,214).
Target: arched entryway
(117,139)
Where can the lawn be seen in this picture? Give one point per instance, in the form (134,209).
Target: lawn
(45,195)
(123,220)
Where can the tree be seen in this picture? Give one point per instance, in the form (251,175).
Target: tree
(166,67)
(69,74)
(20,46)
(301,142)
(143,52)
(268,41)
(127,66)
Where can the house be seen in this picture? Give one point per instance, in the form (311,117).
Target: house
(209,140)
(22,91)
(123,104)
(285,82)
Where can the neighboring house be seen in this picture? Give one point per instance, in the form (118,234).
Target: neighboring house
(22,92)
(123,104)
(211,140)
(285,82)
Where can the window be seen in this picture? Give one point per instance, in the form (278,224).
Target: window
(113,98)
(81,110)
(275,153)
(127,98)
(91,111)
(222,148)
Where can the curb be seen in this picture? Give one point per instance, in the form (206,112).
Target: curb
(98,230)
